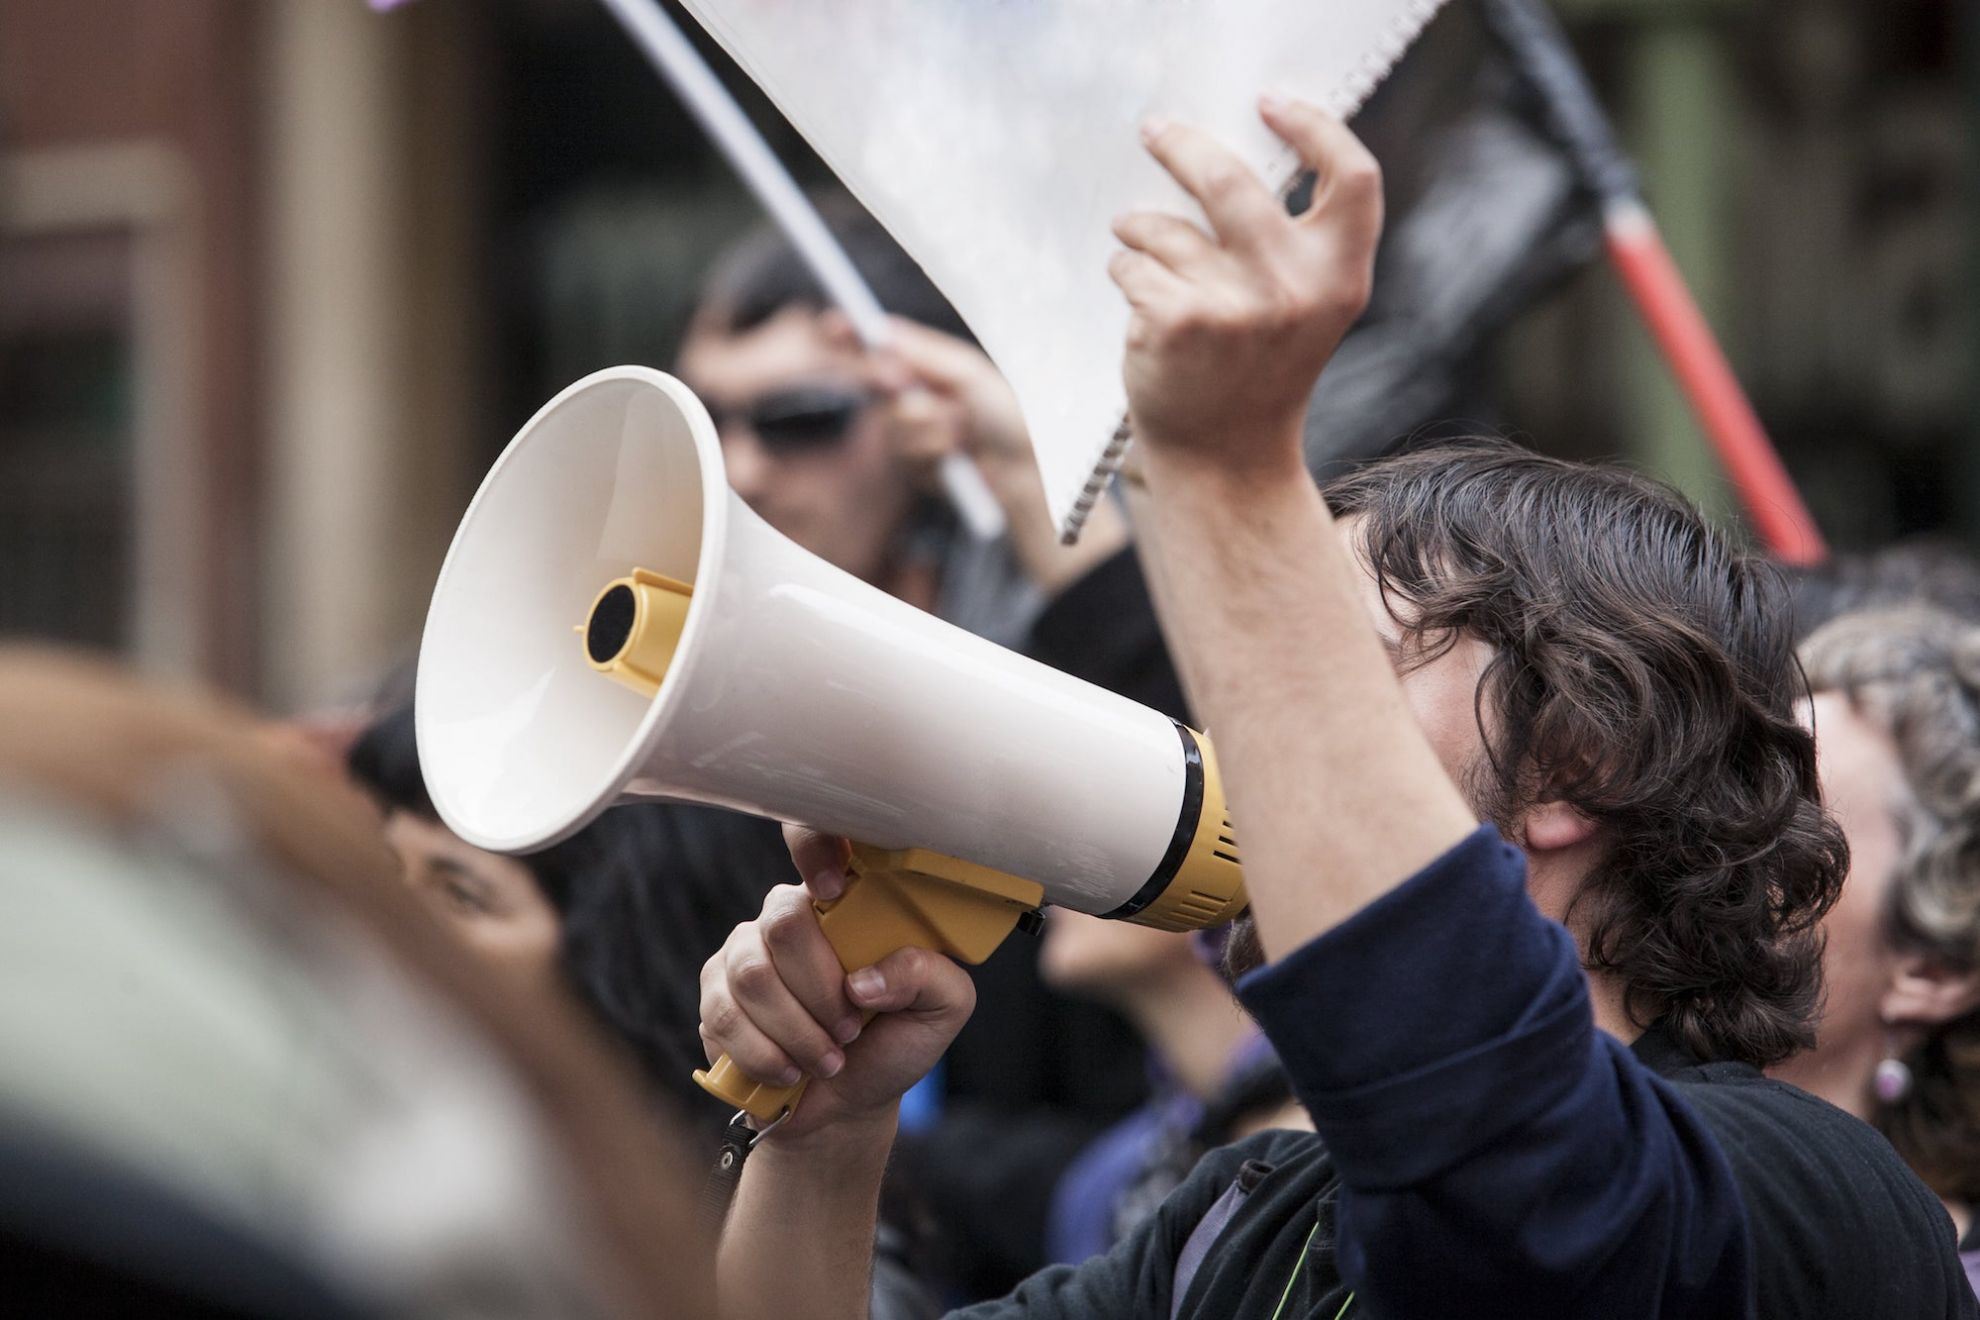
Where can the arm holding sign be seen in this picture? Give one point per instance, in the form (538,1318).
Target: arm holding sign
(1413,978)
(944,398)
(1259,590)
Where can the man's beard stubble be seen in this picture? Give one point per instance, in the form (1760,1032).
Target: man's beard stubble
(1242,951)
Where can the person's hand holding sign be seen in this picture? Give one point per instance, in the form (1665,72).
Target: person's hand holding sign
(1231,328)
(1262,602)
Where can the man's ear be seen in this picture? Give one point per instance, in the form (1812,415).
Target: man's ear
(1551,826)
(1926,990)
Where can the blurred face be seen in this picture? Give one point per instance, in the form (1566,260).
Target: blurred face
(491,902)
(1863,785)
(801,447)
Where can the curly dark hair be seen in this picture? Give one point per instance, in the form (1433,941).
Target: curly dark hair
(1914,672)
(1643,672)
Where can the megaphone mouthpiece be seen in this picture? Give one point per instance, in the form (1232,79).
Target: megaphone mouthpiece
(610,626)
(635,627)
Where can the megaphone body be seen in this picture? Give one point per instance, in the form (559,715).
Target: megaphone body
(785,688)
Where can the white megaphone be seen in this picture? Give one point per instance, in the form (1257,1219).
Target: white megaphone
(714,661)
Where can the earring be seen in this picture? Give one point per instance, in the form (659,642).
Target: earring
(1892,1080)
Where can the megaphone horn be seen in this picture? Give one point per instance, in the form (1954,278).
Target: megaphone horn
(717,662)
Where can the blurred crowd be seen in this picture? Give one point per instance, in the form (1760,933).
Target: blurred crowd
(274,1042)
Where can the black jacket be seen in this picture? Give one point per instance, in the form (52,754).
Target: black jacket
(1483,1150)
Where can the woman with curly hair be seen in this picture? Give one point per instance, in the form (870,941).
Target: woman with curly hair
(1897,718)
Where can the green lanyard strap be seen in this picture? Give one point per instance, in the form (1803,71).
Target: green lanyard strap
(1299,1265)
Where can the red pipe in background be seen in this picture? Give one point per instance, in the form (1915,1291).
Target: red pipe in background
(1680,329)
(1539,51)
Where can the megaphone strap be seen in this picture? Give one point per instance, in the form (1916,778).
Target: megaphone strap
(718,1189)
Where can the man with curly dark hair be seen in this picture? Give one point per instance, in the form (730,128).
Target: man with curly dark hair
(1638,670)
(1531,1047)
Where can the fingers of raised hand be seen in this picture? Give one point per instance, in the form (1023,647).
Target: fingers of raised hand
(1323,143)
(1239,206)
(1146,282)
(1265,272)
(1348,181)
(1234,306)
(1174,242)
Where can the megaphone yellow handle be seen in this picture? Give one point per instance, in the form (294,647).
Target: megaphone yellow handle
(908,898)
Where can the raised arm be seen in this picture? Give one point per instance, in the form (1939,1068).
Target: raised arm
(1337,793)
(1436,1025)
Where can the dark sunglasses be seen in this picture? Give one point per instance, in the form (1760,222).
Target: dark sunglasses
(799,418)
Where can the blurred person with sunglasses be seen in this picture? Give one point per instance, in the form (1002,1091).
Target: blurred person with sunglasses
(838,447)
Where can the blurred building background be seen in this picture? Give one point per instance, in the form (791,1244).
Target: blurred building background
(278,278)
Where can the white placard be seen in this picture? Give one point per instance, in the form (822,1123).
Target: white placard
(996,140)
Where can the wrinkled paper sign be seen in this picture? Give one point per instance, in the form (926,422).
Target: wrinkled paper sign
(996,140)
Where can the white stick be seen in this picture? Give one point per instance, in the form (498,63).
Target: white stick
(723,120)
(971,497)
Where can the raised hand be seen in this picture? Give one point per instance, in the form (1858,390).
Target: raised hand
(1231,327)
(942,395)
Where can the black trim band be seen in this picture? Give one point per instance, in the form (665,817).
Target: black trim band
(1186,822)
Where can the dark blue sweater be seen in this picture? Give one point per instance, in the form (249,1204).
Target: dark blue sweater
(1483,1150)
